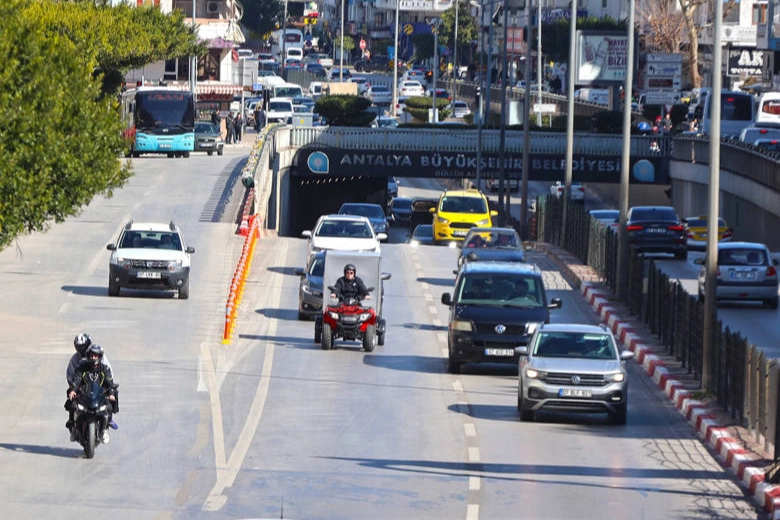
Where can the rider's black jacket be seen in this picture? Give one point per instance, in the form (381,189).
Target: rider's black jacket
(102,373)
(355,287)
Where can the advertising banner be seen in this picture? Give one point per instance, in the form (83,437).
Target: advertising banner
(601,57)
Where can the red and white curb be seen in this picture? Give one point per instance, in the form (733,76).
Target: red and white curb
(733,454)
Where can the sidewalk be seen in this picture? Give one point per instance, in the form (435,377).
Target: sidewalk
(735,446)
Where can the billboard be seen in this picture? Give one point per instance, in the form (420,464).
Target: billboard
(602,57)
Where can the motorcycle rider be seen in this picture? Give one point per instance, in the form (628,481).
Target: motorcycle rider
(81,342)
(350,285)
(93,364)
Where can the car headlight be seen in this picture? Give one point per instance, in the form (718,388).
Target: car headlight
(530,328)
(532,373)
(334,315)
(441,220)
(414,243)
(462,325)
(484,222)
(617,377)
(174,265)
(313,292)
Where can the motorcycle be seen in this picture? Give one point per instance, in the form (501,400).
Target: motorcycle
(349,320)
(91,416)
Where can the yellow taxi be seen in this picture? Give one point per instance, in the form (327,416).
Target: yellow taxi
(458,211)
(697,231)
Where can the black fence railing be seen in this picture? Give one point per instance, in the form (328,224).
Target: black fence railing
(742,380)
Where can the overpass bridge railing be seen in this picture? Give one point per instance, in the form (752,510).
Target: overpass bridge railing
(449,140)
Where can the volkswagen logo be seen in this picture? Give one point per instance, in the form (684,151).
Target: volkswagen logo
(149,264)
(575,379)
(500,329)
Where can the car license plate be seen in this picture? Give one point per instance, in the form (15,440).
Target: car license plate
(148,274)
(743,275)
(459,233)
(505,352)
(574,392)
(207,145)
(656,230)
(165,145)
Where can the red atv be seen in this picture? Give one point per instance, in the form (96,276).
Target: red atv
(348,320)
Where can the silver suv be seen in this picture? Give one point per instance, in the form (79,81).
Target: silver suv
(149,255)
(573,368)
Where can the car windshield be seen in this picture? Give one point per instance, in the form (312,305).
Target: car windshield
(370,211)
(509,290)
(742,256)
(379,88)
(280,106)
(574,345)
(151,240)
(205,128)
(344,228)
(450,204)
(402,204)
(653,214)
(492,239)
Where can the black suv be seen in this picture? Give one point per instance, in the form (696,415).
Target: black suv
(496,307)
(657,229)
(373,64)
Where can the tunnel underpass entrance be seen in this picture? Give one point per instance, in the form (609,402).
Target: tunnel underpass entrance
(317,195)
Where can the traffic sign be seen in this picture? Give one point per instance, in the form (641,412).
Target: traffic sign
(362,44)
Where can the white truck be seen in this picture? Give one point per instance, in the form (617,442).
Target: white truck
(593,95)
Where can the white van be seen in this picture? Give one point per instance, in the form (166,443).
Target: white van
(768,112)
(294,52)
(287,90)
(736,112)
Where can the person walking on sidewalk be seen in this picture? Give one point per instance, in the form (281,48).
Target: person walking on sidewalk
(239,125)
(231,129)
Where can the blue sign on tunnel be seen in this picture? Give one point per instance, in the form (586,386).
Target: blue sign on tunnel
(336,162)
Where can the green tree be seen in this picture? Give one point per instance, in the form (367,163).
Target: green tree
(113,40)
(261,17)
(345,110)
(467,29)
(423,47)
(60,139)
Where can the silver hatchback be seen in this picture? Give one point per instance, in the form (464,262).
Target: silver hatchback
(573,368)
(746,272)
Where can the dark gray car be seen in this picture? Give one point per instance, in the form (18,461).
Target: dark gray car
(657,229)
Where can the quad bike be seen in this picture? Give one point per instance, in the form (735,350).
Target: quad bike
(349,320)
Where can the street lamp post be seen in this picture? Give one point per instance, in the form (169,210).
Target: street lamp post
(395,59)
(284,42)
(193,60)
(455,54)
(435,25)
(539,59)
(341,58)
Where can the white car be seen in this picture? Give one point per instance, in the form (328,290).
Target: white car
(362,83)
(577,190)
(460,109)
(342,233)
(410,88)
(280,110)
(380,95)
(413,74)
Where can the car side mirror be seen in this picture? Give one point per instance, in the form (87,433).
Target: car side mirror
(523,350)
(432,210)
(381,236)
(493,213)
(189,249)
(555,303)
(386,276)
(306,233)
(298,271)
(111,247)
(446,298)
(626,354)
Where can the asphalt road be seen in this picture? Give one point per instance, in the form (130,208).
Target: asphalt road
(270,425)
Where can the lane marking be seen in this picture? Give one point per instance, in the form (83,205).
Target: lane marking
(472,512)
(475,483)
(470,428)
(473,454)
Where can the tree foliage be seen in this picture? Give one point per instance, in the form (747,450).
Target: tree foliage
(345,110)
(60,139)
(261,17)
(467,29)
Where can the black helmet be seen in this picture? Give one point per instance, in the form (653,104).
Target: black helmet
(82,343)
(95,349)
(350,267)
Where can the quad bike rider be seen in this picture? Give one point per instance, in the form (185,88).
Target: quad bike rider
(349,319)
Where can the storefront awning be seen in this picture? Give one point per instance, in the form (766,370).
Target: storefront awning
(217,91)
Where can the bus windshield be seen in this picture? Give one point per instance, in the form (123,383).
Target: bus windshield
(161,109)
(288,91)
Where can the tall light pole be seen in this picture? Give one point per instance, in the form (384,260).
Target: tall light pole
(341,58)
(435,25)
(193,60)
(572,69)
(539,58)
(455,73)
(395,59)
(284,42)
(481,92)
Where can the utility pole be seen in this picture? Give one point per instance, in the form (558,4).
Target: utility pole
(435,27)
(395,59)
(284,42)
(526,129)
(455,73)
(570,117)
(194,59)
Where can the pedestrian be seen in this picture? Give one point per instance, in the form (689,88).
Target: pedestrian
(231,129)
(668,124)
(239,126)
(259,117)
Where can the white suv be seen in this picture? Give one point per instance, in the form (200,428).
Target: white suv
(280,110)
(342,233)
(149,255)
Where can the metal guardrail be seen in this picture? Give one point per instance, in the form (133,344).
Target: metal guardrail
(466,140)
(743,381)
